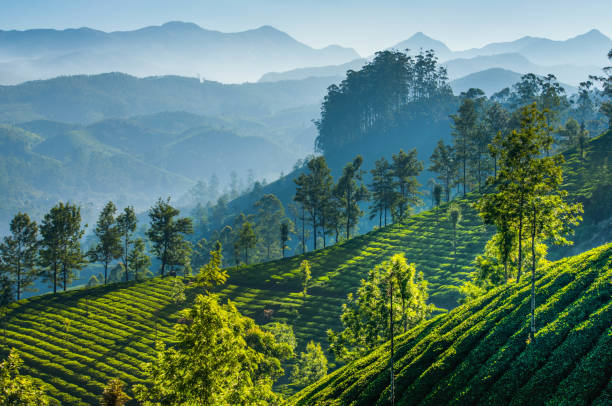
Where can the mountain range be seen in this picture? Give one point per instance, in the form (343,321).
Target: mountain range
(572,60)
(174,48)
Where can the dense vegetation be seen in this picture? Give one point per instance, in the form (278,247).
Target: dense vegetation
(479,353)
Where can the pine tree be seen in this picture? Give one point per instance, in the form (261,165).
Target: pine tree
(19,252)
(138,260)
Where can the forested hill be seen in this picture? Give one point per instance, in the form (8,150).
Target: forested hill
(479,353)
(85,99)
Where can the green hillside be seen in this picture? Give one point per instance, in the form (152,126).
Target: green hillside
(479,354)
(76,341)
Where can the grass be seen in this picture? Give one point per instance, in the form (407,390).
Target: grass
(479,353)
(74,342)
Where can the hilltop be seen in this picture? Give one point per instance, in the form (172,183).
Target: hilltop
(479,354)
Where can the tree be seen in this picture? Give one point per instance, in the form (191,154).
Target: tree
(60,252)
(113,394)
(497,121)
(270,216)
(366,314)
(310,366)
(16,389)
(246,239)
(305,274)
(406,168)
(138,260)
(381,190)
(464,125)
(18,253)
(283,334)
(126,225)
(220,358)
(167,232)
(286,228)
(108,247)
(443,163)
(350,191)
(313,192)
(211,274)
(454,216)
(178,290)
(437,194)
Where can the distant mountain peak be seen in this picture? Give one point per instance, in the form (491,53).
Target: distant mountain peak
(593,34)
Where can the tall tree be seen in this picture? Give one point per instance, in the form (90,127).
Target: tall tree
(247,239)
(443,163)
(126,225)
(381,191)
(497,120)
(454,216)
(270,215)
(350,191)
(18,253)
(286,229)
(366,315)
(167,233)
(406,168)
(313,193)
(464,126)
(108,247)
(138,260)
(60,252)
(306,275)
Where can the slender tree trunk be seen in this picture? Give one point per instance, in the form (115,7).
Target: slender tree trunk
(348,213)
(392,343)
(520,243)
(303,231)
(65,274)
(533,268)
(506,271)
(18,279)
(125,262)
(105,271)
(54,278)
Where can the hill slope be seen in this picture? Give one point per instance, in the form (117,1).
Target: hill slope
(478,353)
(76,341)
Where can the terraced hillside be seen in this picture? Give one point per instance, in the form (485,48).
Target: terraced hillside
(76,341)
(478,354)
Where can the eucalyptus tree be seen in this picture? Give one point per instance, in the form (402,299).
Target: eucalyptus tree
(443,163)
(108,247)
(350,190)
(167,233)
(126,226)
(381,190)
(406,167)
(19,253)
(464,128)
(60,247)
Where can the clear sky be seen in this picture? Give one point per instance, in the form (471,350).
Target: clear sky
(366,25)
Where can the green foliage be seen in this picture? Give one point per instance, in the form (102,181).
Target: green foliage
(138,261)
(311,366)
(108,247)
(211,274)
(479,353)
(16,389)
(246,239)
(350,191)
(269,219)
(60,252)
(167,235)
(444,164)
(365,316)
(221,358)
(113,394)
(406,168)
(126,225)
(19,253)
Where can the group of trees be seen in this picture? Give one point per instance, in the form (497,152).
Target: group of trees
(54,251)
(372,99)
(333,208)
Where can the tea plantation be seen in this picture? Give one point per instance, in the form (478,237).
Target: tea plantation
(479,353)
(75,342)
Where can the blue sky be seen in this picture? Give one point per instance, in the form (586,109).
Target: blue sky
(364,25)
